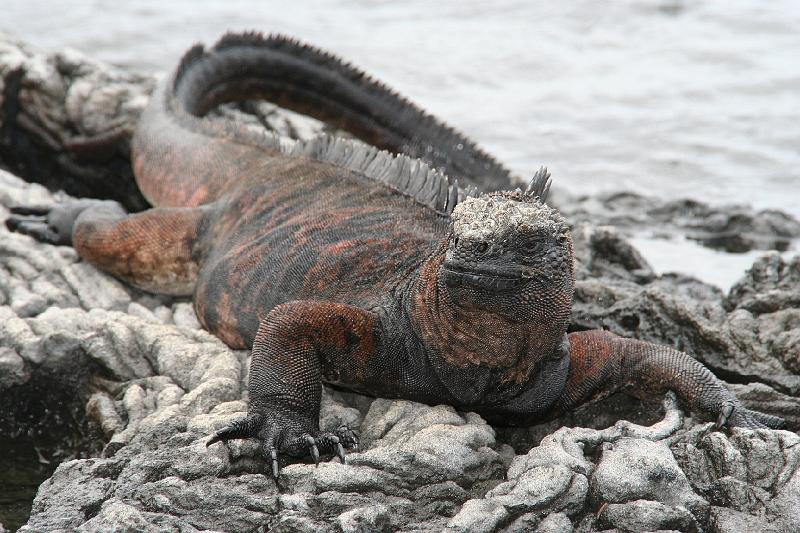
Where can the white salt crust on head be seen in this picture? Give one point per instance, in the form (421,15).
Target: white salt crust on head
(488,217)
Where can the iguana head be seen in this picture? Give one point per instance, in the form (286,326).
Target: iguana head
(507,251)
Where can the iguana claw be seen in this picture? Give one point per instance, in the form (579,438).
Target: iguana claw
(282,435)
(734,414)
(276,469)
(36,210)
(339,449)
(340,453)
(240,429)
(53,224)
(312,446)
(724,414)
(29,221)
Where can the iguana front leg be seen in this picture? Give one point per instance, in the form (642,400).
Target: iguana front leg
(296,345)
(602,363)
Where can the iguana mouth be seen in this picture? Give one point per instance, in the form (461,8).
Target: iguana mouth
(454,274)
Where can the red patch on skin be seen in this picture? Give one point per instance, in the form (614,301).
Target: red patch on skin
(341,337)
(228,327)
(464,337)
(340,247)
(594,366)
(198,197)
(153,250)
(590,351)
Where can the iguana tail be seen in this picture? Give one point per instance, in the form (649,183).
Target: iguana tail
(243,66)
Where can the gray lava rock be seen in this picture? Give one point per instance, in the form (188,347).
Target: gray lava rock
(754,473)
(732,228)
(555,523)
(689,315)
(479,516)
(639,469)
(647,515)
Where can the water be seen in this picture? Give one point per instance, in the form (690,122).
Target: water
(688,257)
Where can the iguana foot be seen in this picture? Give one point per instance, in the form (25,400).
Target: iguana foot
(734,414)
(52,224)
(279,435)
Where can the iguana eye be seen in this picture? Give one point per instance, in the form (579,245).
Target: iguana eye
(482,247)
(533,247)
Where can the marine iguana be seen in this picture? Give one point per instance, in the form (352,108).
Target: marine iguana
(341,263)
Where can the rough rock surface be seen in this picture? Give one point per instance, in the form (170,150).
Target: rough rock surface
(732,228)
(155,386)
(753,334)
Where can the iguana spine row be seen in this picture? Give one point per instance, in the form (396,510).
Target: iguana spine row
(319,84)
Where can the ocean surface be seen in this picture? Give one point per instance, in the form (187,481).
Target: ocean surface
(695,99)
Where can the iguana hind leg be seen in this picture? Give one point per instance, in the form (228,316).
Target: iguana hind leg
(296,345)
(158,250)
(602,363)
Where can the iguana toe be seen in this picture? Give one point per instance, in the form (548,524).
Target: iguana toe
(340,452)
(736,415)
(271,455)
(724,414)
(38,210)
(312,448)
(330,443)
(284,435)
(243,428)
(771,421)
(347,437)
(53,224)
(34,226)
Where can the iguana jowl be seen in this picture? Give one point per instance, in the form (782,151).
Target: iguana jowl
(339,263)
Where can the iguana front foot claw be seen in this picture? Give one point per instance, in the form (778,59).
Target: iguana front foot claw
(347,439)
(334,443)
(312,448)
(243,428)
(273,457)
(282,435)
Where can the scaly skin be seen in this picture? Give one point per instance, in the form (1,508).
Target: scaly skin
(340,265)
